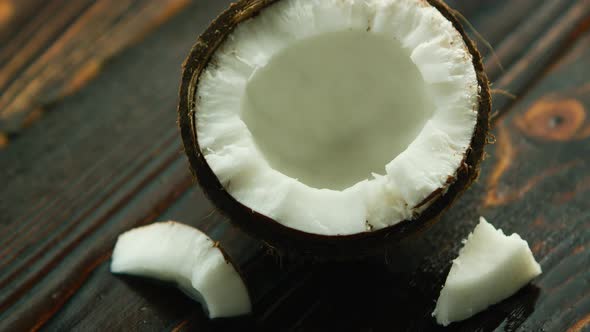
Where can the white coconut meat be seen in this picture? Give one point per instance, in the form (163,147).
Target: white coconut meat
(491,266)
(336,117)
(178,253)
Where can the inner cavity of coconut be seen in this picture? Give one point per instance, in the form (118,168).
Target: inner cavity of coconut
(338,117)
(332,109)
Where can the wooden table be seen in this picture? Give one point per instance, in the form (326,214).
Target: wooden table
(90,148)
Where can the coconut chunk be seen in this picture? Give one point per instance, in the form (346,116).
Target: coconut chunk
(490,267)
(181,254)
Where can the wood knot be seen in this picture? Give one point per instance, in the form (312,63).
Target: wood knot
(554,120)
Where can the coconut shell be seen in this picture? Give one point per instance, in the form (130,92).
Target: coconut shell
(297,243)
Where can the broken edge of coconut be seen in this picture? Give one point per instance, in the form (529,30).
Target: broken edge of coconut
(490,267)
(290,223)
(174,252)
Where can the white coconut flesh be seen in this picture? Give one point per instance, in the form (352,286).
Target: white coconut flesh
(491,266)
(178,253)
(336,117)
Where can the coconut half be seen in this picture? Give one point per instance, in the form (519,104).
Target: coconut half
(178,253)
(317,123)
(491,266)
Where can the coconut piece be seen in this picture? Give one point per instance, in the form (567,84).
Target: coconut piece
(490,267)
(317,123)
(181,254)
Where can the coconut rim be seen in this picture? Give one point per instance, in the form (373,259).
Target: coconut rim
(289,239)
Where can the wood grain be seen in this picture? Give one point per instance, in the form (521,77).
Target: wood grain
(108,158)
(13,14)
(540,52)
(63,46)
(39,67)
(544,18)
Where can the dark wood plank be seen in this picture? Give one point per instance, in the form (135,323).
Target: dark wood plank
(79,167)
(152,306)
(90,170)
(63,46)
(537,52)
(38,56)
(539,180)
(544,19)
(485,14)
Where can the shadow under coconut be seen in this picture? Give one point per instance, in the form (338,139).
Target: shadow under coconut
(165,298)
(372,295)
(367,296)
